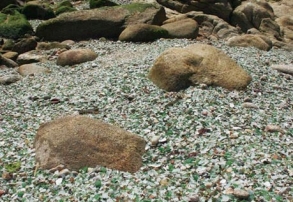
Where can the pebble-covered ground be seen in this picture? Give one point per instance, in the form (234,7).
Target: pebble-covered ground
(213,144)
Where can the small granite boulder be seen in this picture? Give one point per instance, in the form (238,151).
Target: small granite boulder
(247,40)
(143,33)
(80,141)
(185,28)
(178,68)
(31,69)
(76,56)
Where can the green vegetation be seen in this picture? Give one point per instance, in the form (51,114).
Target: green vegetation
(13,167)
(14,26)
(101,3)
(137,7)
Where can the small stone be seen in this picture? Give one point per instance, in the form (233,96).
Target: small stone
(63,172)
(249,105)
(273,128)
(164,182)
(59,181)
(7,176)
(57,168)
(155,139)
(241,194)
(194,198)
(247,99)
(9,79)
(2,192)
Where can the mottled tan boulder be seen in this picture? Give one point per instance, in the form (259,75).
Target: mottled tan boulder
(32,69)
(250,14)
(76,56)
(178,68)
(185,28)
(143,33)
(249,40)
(80,141)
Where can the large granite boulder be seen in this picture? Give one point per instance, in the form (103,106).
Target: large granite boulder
(143,33)
(220,8)
(250,14)
(14,25)
(178,68)
(80,141)
(106,22)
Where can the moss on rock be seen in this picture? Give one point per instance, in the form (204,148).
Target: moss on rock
(14,26)
(101,3)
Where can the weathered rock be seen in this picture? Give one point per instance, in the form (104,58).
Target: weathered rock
(220,8)
(10,55)
(7,62)
(241,194)
(31,57)
(38,10)
(282,7)
(271,29)
(185,28)
(286,25)
(106,22)
(250,14)
(287,69)
(212,25)
(178,68)
(80,141)
(9,79)
(25,45)
(31,69)
(143,33)
(14,26)
(247,40)
(76,56)
(51,45)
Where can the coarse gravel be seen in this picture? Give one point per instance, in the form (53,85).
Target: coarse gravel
(208,142)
